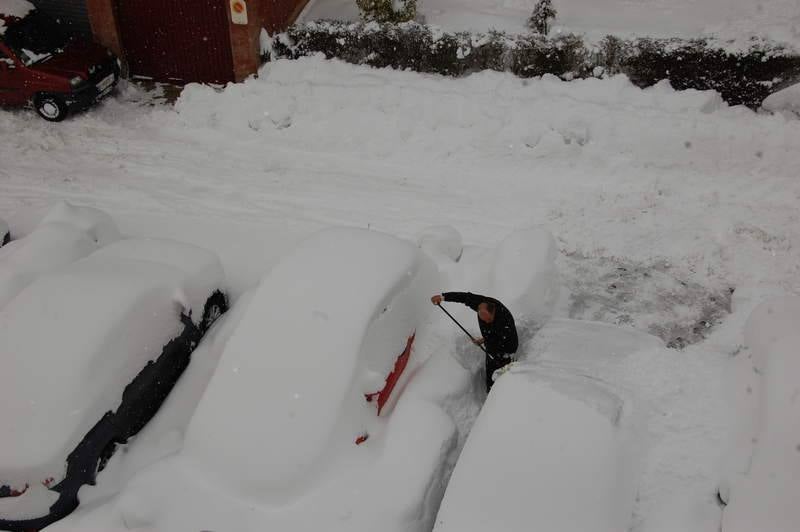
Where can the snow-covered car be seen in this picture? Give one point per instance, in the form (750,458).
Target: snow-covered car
(89,353)
(762,470)
(553,435)
(66,233)
(5,233)
(314,376)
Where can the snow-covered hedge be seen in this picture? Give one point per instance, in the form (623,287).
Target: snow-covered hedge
(740,77)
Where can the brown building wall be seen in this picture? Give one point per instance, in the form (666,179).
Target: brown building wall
(274,15)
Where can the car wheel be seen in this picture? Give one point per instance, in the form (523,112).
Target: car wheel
(51,108)
(215,307)
(6,239)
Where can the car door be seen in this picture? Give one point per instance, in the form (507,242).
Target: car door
(13,86)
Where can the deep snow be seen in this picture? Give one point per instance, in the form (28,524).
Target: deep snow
(652,180)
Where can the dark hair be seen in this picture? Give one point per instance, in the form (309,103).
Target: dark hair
(490,306)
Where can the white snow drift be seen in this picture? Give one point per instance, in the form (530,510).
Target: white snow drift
(74,338)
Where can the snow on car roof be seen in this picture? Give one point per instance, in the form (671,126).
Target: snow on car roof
(202,268)
(49,247)
(71,342)
(291,364)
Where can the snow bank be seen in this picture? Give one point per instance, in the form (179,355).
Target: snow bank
(441,242)
(95,223)
(786,100)
(524,275)
(325,327)
(547,452)
(66,233)
(763,483)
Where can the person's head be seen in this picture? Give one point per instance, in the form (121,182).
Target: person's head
(486,311)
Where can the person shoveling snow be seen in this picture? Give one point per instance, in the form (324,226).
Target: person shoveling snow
(499,340)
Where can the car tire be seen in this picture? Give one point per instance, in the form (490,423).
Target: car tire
(51,108)
(216,306)
(5,240)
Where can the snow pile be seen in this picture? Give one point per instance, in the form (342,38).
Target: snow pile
(95,223)
(442,242)
(763,485)
(201,270)
(547,452)
(67,233)
(785,101)
(524,275)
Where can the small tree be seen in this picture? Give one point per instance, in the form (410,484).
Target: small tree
(387,10)
(543,13)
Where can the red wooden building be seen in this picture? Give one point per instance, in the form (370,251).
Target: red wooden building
(180,40)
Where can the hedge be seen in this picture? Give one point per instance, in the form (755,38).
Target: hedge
(741,77)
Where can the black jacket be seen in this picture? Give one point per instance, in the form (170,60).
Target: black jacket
(501,334)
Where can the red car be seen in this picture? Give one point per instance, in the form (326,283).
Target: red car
(43,67)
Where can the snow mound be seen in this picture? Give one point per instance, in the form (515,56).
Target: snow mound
(764,474)
(49,247)
(524,275)
(441,242)
(543,444)
(785,101)
(65,234)
(325,327)
(95,223)
(200,267)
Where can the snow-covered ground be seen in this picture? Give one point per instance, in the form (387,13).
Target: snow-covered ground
(659,203)
(732,23)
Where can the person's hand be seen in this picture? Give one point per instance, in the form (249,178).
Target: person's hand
(478,341)
(437,299)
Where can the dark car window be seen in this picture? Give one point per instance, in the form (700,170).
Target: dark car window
(36,37)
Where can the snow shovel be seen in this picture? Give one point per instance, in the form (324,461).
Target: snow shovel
(465,331)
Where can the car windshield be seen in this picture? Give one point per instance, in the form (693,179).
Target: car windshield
(36,37)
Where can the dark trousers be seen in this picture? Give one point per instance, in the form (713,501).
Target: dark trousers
(493,364)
